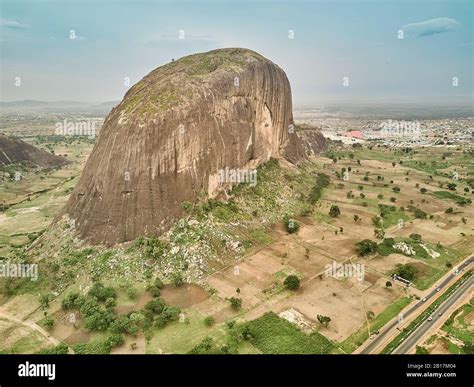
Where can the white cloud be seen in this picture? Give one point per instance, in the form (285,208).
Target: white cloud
(13,24)
(432,26)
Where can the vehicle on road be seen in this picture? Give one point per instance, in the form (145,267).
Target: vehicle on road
(430,318)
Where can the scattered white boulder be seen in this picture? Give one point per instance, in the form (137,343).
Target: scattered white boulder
(404,248)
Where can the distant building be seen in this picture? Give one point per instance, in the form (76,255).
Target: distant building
(355,134)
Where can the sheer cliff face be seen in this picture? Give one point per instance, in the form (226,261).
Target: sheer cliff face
(173,132)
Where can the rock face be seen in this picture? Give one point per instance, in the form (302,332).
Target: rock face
(16,151)
(313,140)
(173,132)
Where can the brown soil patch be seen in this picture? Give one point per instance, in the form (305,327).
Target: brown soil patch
(144,298)
(124,309)
(421,268)
(131,345)
(184,296)
(78,337)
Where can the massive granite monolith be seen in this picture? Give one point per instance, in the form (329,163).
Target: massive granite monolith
(172,133)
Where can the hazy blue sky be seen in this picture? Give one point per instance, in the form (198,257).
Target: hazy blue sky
(332,40)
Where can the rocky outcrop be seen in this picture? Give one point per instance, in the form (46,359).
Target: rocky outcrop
(16,151)
(312,140)
(167,140)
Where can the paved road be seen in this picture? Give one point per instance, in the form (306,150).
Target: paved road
(378,339)
(426,325)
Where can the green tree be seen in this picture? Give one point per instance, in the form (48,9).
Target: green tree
(235,303)
(366,247)
(334,211)
(132,293)
(44,301)
(177,279)
(406,271)
(323,320)
(48,322)
(377,221)
(159,283)
(291,225)
(209,321)
(415,237)
(292,282)
(451,186)
(379,233)
(420,214)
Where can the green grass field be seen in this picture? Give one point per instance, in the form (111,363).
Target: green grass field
(274,335)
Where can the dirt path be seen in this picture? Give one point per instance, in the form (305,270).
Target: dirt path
(30,324)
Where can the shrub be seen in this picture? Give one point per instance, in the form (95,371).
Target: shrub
(415,237)
(187,206)
(204,347)
(209,321)
(69,302)
(292,282)
(170,312)
(123,324)
(177,279)
(101,293)
(235,303)
(61,349)
(132,293)
(291,225)
(406,271)
(322,181)
(48,322)
(377,221)
(100,320)
(379,233)
(115,340)
(334,211)
(110,303)
(154,291)
(159,283)
(323,320)
(366,247)
(154,248)
(44,301)
(155,306)
(451,186)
